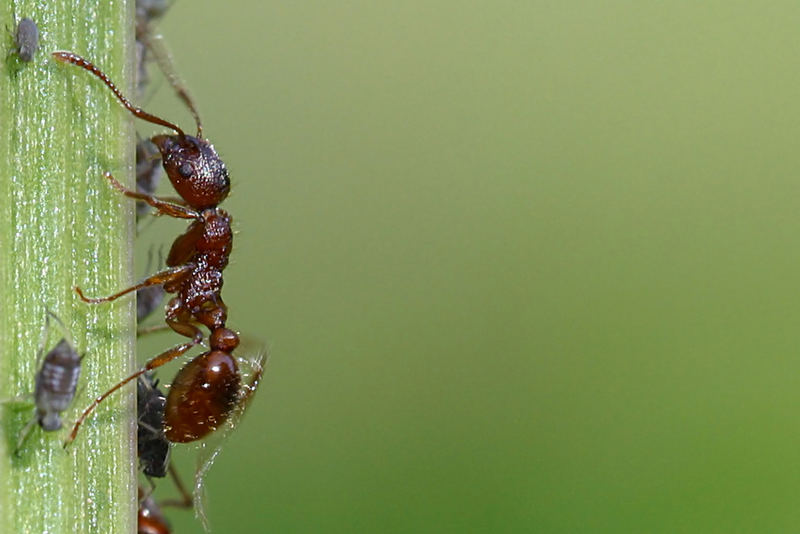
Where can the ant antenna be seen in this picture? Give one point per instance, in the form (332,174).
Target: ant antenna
(75,59)
(164,59)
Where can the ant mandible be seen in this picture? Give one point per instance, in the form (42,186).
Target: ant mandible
(206,390)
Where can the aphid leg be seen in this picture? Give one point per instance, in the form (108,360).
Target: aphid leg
(164,277)
(164,59)
(186,498)
(23,435)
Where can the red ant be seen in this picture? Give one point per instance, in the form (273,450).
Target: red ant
(208,389)
(150,520)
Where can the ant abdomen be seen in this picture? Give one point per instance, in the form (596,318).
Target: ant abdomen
(195,169)
(202,396)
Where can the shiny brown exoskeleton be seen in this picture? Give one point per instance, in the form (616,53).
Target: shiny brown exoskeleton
(208,389)
(150,519)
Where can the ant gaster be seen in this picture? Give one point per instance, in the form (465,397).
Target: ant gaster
(205,391)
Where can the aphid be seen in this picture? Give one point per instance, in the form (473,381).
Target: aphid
(147,11)
(149,299)
(26,39)
(153,447)
(208,389)
(148,173)
(55,383)
(150,519)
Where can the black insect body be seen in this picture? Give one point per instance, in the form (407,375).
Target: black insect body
(148,300)
(26,39)
(153,446)
(148,173)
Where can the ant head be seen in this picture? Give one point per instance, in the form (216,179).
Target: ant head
(196,171)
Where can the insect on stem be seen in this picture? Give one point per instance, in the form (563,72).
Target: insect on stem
(69,57)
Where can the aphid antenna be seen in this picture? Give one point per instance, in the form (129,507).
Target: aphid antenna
(164,59)
(64,330)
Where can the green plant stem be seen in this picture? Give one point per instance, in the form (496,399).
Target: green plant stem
(61,225)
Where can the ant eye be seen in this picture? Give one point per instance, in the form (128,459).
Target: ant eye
(186,170)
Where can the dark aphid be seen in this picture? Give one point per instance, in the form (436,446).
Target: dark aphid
(55,385)
(26,39)
(148,300)
(147,11)
(148,173)
(153,447)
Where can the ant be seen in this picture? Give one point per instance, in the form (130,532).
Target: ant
(208,389)
(55,384)
(150,520)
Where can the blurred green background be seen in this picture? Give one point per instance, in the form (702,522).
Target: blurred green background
(521,266)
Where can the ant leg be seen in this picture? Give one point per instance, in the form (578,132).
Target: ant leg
(162,359)
(69,57)
(163,207)
(164,277)
(183,326)
(186,498)
(147,330)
